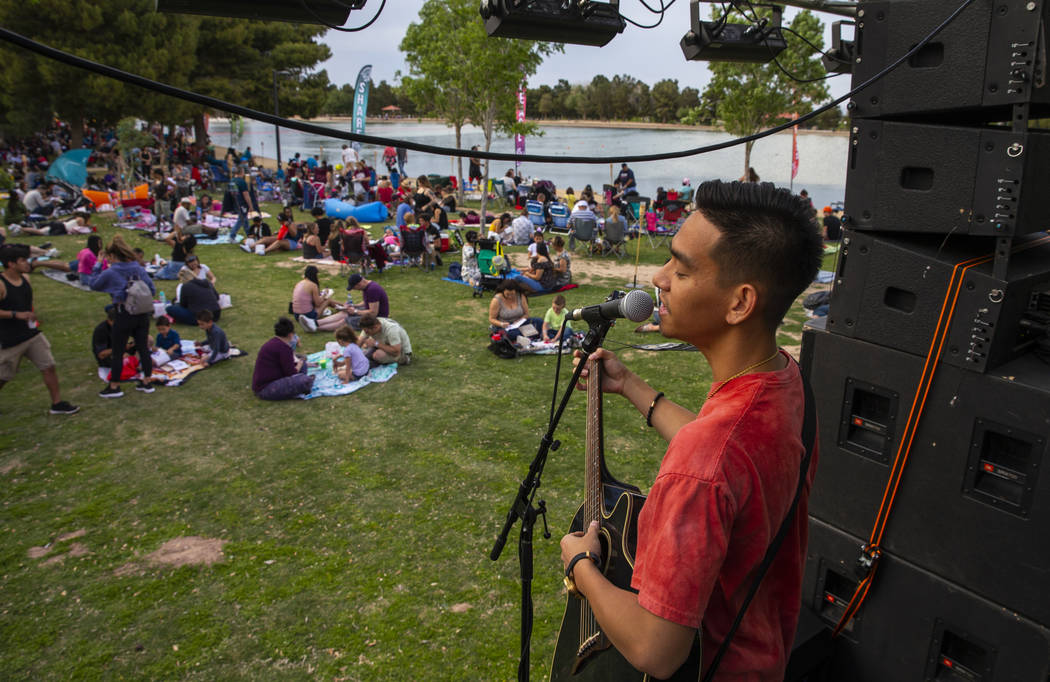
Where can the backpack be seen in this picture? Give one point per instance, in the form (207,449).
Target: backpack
(502,346)
(455,271)
(138,298)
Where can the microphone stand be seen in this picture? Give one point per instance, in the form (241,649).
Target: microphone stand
(523,508)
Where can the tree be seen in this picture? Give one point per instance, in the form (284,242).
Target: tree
(465,74)
(236,60)
(126,34)
(665,97)
(750,97)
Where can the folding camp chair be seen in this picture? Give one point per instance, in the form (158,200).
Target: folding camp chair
(412,246)
(535,210)
(615,237)
(635,206)
(582,230)
(353,244)
(559,218)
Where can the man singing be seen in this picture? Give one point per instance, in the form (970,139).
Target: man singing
(729,475)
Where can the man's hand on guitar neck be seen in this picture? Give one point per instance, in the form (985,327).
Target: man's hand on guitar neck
(650,643)
(667,416)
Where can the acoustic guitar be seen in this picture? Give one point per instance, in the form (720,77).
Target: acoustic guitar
(583,652)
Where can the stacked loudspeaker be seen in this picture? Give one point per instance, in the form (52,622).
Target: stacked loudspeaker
(937,338)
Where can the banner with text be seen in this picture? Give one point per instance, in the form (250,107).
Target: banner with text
(361,102)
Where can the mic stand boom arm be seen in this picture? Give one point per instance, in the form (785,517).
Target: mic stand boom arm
(523,508)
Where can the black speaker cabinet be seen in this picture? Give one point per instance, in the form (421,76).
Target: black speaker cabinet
(973,505)
(890,289)
(993,55)
(911,177)
(915,625)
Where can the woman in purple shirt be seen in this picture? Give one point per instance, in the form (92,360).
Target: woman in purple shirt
(279,375)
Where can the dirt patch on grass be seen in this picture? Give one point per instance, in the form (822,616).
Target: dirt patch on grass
(188,551)
(11,465)
(586,268)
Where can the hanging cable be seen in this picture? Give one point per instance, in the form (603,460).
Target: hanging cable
(320,20)
(313,129)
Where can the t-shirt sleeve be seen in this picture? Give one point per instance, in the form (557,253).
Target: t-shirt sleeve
(685,523)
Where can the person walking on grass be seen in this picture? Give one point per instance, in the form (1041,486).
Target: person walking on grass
(19,336)
(114,281)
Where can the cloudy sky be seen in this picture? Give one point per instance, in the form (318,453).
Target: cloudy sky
(648,55)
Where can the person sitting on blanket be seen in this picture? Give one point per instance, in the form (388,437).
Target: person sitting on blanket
(313,247)
(308,304)
(508,307)
(39,202)
(541,275)
(168,339)
(553,319)
(215,339)
(181,245)
(522,229)
(352,364)
(384,341)
(375,301)
(102,341)
(287,239)
(278,373)
(89,265)
(562,262)
(192,296)
(205,208)
(185,222)
(257,229)
(199,270)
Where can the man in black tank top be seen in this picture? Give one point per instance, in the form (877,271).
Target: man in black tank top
(19,336)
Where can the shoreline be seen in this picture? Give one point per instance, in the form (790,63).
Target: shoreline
(564,123)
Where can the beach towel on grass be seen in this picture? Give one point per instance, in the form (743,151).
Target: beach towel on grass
(173,372)
(60,277)
(326,383)
(221,239)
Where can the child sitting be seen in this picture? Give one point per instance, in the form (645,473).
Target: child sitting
(391,243)
(353,364)
(551,331)
(215,339)
(168,339)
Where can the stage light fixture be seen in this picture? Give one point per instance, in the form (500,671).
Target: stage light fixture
(839,59)
(333,12)
(721,41)
(580,22)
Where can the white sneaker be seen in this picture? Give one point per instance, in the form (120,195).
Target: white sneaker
(309,324)
(246,248)
(51,253)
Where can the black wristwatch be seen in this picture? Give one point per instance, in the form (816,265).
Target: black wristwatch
(570,583)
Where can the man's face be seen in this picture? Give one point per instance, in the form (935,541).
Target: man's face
(693,306)
(204,325)
(22,265)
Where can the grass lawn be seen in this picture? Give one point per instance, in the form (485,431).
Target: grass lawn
(356,529)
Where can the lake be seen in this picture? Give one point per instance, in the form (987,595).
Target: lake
(822,156)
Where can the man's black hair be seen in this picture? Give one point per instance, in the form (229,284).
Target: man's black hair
(9,253)
(283,327)
(769,237)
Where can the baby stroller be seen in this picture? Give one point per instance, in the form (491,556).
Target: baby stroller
(492,264)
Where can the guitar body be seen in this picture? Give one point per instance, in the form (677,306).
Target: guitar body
(584,653)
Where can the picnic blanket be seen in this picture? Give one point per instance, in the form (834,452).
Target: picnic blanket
(326,383)
(173,372)
(60,276)
(221,239)
(530,293)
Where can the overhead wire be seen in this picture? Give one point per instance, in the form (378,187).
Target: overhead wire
(313,129)
(320,20)
(662,11)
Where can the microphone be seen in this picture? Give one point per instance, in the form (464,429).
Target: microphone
(635,306)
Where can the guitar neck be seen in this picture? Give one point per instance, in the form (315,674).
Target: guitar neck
(592,485)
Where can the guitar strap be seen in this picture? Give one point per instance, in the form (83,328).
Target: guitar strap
(809,432)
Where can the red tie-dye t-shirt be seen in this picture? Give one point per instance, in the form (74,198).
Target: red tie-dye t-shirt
(725,485)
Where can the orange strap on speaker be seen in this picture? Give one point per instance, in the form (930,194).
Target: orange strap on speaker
(868,561)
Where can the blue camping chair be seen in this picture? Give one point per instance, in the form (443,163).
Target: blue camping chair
(560,218)
(218,174)
(535,210)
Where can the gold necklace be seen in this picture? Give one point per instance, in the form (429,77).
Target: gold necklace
(741,373)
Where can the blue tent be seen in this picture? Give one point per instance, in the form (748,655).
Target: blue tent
(71,167)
